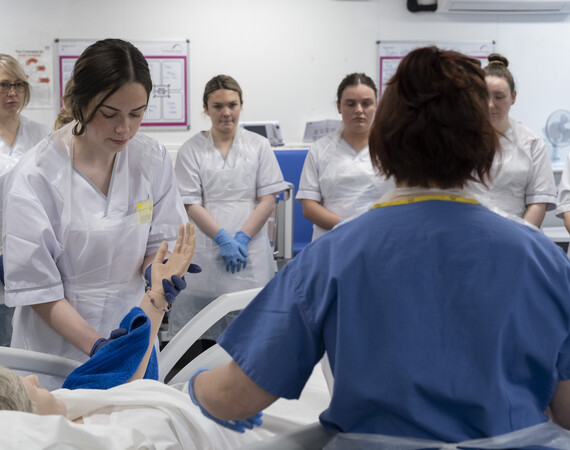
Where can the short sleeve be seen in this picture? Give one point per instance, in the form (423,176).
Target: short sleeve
(187,172)
(309,186)
(273,340)
(269,176)
(541,188)
(31,248)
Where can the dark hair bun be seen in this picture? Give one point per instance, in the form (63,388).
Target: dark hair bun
(495,58)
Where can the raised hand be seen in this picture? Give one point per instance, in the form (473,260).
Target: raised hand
(171,271)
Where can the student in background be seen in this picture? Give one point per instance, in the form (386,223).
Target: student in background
(338,179)
(522,181)
(228,178)
(18,134)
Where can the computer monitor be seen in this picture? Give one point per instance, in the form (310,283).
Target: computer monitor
(269,129)
(319,128)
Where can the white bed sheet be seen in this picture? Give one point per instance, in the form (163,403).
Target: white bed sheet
(146,414)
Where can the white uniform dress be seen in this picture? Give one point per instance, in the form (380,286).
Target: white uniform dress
(563,199)
(340,178)
(228,188)
(29,134)
(65,238)
(521,174)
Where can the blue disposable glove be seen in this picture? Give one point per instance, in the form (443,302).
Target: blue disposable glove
(102,342)
(229,249)
(171,289)
(243,239)
(236,425)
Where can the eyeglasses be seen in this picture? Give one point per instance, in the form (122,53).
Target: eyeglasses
(19,86)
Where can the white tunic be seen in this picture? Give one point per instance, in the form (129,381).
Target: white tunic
(563,200)
(340,178)
(64,238)
(29,134)
(228,188)
(521,173)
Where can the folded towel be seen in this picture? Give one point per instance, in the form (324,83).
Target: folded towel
(117,361)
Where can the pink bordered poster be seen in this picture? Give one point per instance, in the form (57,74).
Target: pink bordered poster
(390,53)
(169,105)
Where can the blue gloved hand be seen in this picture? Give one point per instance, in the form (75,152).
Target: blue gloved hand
(102,342)
(2,268)
(243,239)
(236,425)
(171,289)
(229,249)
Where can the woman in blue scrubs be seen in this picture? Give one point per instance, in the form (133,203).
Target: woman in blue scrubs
(442,320)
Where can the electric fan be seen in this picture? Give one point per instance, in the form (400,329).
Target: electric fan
(557,131)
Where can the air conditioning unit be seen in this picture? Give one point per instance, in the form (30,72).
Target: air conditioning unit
(504,6)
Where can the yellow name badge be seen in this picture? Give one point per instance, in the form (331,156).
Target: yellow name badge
(144,210)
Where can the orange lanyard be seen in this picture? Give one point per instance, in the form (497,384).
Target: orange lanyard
(423,198)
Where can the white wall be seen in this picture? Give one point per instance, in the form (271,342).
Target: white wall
(290,55)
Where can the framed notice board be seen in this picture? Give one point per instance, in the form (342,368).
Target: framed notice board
(169,103)
(390,53)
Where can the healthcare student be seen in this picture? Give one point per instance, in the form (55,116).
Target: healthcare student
(441,319)
(338,179)
(143,413)
(228,178)
(522,181)
(86,208)
(18,134)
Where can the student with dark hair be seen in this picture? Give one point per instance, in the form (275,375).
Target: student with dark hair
(338,180)
(441,319)
(522,181)
(86,210)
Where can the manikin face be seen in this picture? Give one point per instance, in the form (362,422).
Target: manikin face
(357,107)
(43,400)
(117,120)
(11,101)
(500,101)
(223,108)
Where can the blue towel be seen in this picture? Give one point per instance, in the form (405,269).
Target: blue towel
(117,361)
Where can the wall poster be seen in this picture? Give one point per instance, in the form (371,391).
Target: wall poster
(390,53)
(169,106)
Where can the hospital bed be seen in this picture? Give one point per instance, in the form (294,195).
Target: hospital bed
(282,237)
(294,423)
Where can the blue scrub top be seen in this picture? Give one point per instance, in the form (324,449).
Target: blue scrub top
(442,320)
